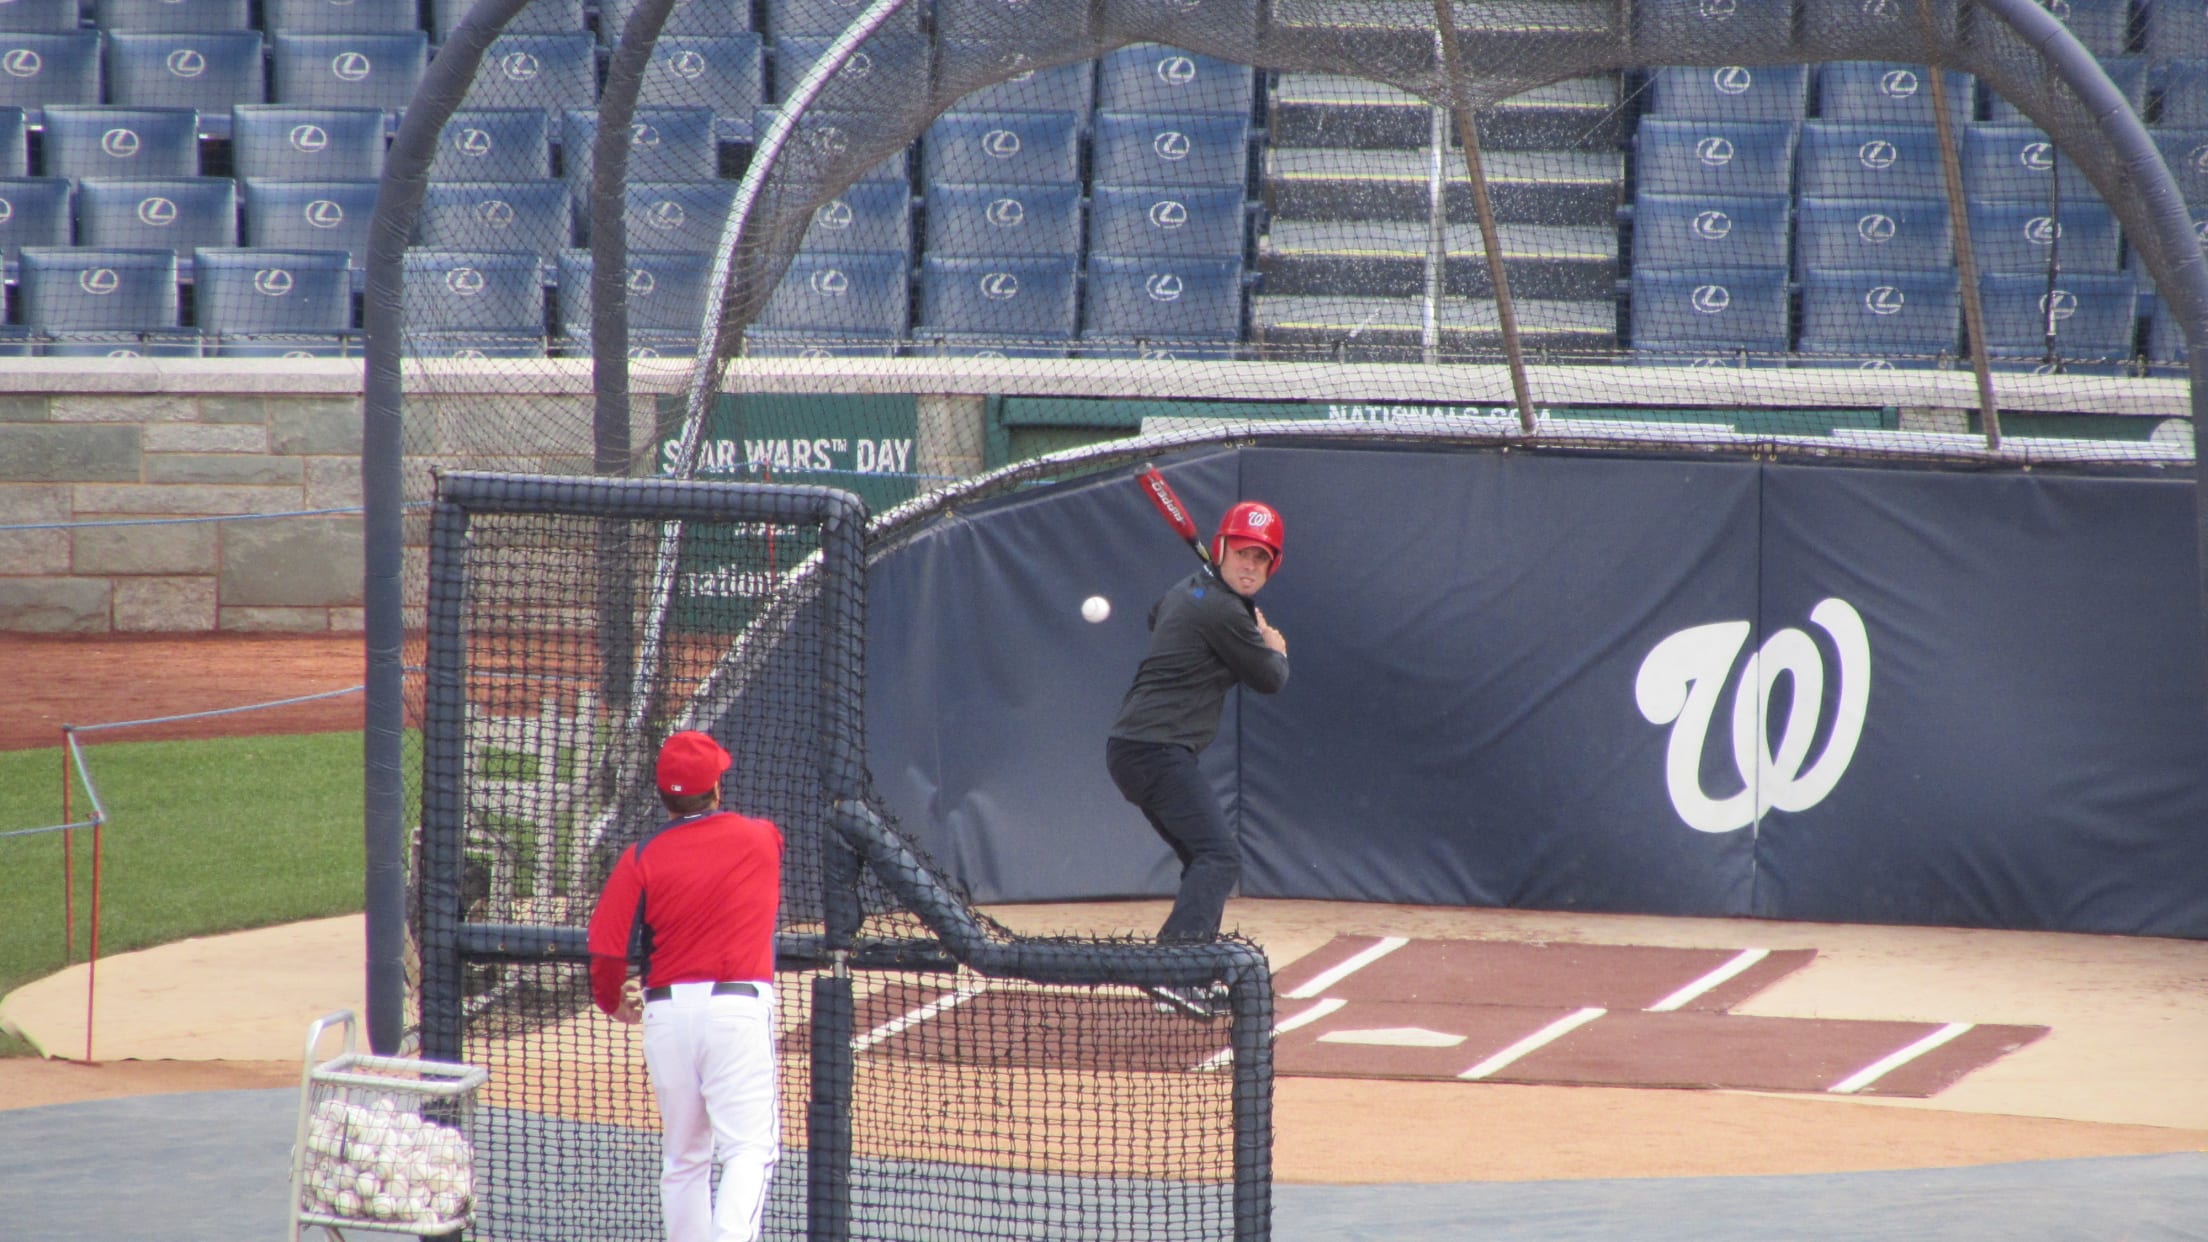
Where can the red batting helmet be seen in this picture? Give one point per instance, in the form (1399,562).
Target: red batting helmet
(1252,520)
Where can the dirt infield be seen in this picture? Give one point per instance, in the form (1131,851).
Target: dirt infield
(2119,1073)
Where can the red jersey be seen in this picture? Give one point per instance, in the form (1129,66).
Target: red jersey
(712,885)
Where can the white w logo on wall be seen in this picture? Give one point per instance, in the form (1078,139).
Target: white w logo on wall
(1679,684)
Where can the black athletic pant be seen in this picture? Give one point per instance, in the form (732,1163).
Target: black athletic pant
(1162,780)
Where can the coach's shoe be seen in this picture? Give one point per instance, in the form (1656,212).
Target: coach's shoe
(1201,1003)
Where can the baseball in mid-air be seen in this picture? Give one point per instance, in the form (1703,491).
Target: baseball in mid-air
(1095,608)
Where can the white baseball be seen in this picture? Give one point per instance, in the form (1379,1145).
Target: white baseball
(345,1203)
(1095,608)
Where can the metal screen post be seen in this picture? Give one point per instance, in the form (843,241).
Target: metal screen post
(1966,258)
(443,775)
(1468,136)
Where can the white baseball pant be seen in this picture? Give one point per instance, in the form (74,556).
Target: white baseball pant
(711,1060)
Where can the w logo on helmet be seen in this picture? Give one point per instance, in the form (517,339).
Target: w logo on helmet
(309,139)
(1164,287)
(1897,84)
(1168,213)
(1001,144)
(99,281)
(157,212)
(121,144)
(1877,228)
(1006,213)
(1714,151)
(323,213)
(1732,80)
(466,282)
(831,282)
(272,282)
(1000,286)
(1713,225)
(186,62)
(1710,299)
(2042,230)
(355,66)
(1883,300)
(495,213)
(22,62)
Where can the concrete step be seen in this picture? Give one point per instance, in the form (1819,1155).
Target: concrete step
(1388,258)
(1397,36)
(1335,110)
(1531,187)
(1383,329)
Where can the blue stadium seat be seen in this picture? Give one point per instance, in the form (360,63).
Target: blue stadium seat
(1731,92)
(2023,237)
(1061,88)
(548,71)
(825,139)
(978,221)
(2129,73)
(1890,315)
(34,211)
(280,142)
(1016,299)
(172,15)
(2185,95)
(41,70)
(666,298)
(726,73)
(473,303)
(1844,160)
(1032,148)
(2017,162)
(494,144)
(310,215)
(538,17)
(888,70)
(843,295)
(1150,77)
(273,303)
(1757,30)
(1159,299)
(2095,316)
(2177,31)
(180,214)
(872,215)
(41,16)
(2103,26)
(1700,233)
(665,144)
(1874,29)
(676,215)
(2186,153)
(1146,149)
(340,16)
(85,301)
(1870,90)
(1190,223)
(687,17)
(1715,157)
(347,70)
(121,142)
(810,18)
(1877,234)
(1690,313)
(496,215)
(210,71)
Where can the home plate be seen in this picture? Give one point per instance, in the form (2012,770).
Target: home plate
(1394,1037)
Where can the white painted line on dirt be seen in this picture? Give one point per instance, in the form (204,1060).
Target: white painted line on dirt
(1357,962)
(1887,1064)
(1306,1018)
(898,1026)
(1730,970)
(1539,1039)
(1394,1037)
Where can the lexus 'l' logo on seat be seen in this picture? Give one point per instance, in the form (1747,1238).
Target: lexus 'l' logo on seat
(2199,159)
(473,142)
(324,213)
(1877,228)
(1006,213)
(520,66)
(22,62)
(1874,364)
(466,282)
(687,64)
(99,281)
(641,282)
(831,282)
(495,213)
(1168,213)
(1711,299)
(642,134)
(1877,153)
(1713,226)
(351,66)
(1164,287)
(1882,10)
(1717,10)
(272,282)
(2058,305)
(859,66)
(7,211)
(1000,286)
(2037,156)
(1897,84)
(186,62)
(1714,151)
(1172,144)
(2042,230)
(1176,70)
(121,144)
(1883,300)
(831,140)
(1000,144)
(1732,80)
(834,214)
(309,139)
(157,212)
(666,214)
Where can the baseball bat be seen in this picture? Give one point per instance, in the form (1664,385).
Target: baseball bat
(1169,506)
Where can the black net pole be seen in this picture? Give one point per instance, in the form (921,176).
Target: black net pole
(1966,259)
(444,798)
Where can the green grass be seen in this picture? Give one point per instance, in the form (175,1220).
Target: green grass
(201,837)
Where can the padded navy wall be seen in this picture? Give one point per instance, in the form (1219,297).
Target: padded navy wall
(1518,680)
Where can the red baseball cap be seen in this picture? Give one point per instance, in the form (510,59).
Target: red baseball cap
(690,763)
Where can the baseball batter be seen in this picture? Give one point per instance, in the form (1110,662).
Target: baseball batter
(696,899)
(1206,637)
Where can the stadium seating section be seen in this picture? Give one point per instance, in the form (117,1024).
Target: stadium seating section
(198,178)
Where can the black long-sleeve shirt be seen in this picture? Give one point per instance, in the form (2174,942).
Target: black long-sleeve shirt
(1203,640)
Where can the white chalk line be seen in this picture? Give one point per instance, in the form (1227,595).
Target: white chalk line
(1357,962)
(1539,1039)
(1729,971)
(1894,1060)
(899,1025)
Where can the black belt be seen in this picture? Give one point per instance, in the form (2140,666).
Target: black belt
(719,989)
